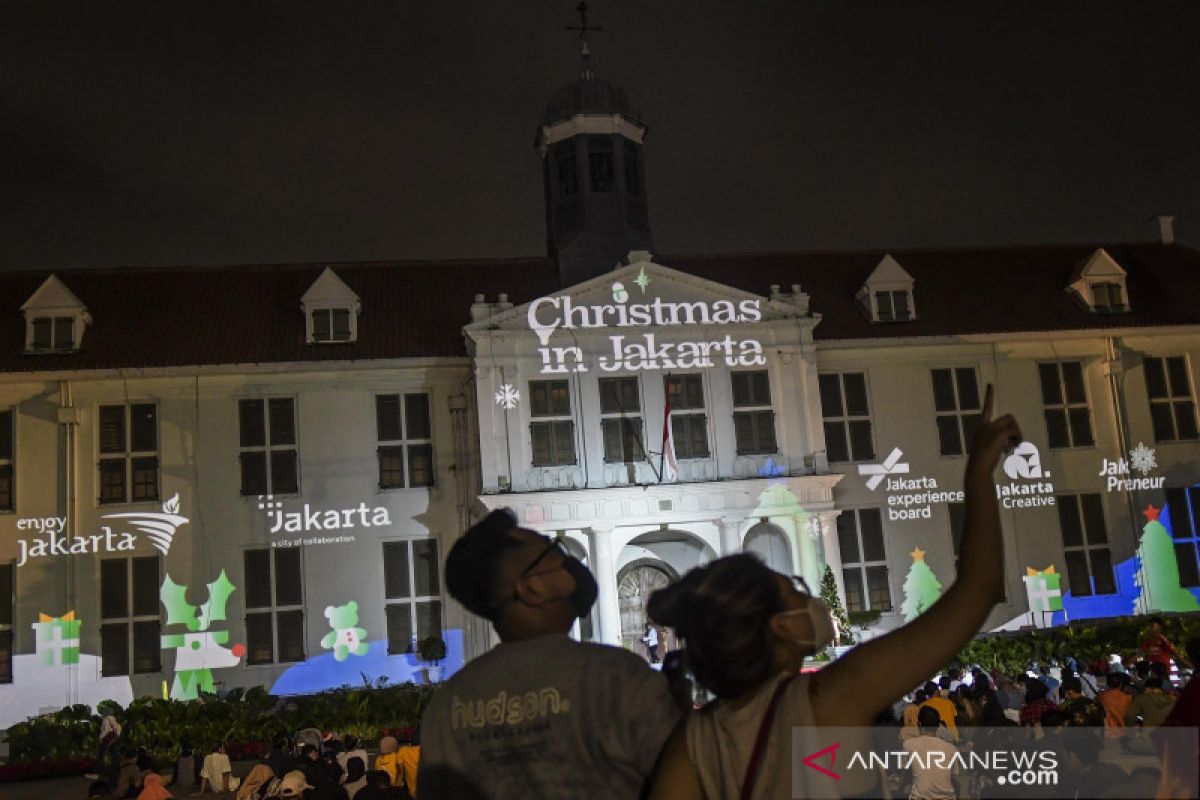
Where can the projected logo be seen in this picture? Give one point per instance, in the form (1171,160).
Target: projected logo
(890,466)
(547,315)
(1027,486)
(159,528)
(908,498)
(1118,474)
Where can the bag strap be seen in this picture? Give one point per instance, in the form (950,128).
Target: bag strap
(760,743)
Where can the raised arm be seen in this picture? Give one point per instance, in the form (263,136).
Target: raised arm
(856,687)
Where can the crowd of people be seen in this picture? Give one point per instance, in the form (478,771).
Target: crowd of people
(310,766)
(1118,705)
(543,715)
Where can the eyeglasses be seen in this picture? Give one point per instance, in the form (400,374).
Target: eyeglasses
(800,585)
(556,544)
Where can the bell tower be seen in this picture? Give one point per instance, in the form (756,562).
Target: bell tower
(593,173)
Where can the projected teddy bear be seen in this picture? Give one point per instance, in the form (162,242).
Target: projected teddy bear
(345,639)
(200,651)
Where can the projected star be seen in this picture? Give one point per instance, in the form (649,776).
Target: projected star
(642,280)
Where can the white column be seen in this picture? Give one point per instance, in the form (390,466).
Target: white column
(608,605)
(833,553)
(731,537)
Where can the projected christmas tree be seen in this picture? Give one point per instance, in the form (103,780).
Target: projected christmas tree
(1158,573)
(829,593)
(921,587)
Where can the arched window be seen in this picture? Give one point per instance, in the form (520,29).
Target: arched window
(770,543)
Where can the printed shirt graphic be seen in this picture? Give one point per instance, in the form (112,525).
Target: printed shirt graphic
(547,717)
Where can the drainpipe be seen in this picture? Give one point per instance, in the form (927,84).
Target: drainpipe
(68,418)
(1114,372)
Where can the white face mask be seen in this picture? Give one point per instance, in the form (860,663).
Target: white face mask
(820,619)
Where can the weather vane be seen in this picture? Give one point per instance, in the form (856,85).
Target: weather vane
(583,27)
(585,70)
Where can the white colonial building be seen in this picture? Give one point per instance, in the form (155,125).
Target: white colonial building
(298,446)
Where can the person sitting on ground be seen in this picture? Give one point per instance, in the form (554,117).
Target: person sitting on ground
(1115,701)
(1163,673)
(129,777)
(153,788)
(280,759)
(1007,693)
(1150,707)
(356,775)
(98,790)
(328,785)
(747,631)
(353,750)
(294,784)
(388,760)
(1081,711)
(379,788)
(216,771)
(1141,671)
(909,718)
(408,757)
(1037,702)
(583,719)
(256,782)
(310,763)
(932,774)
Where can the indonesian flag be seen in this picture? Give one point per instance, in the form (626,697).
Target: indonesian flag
(669,467)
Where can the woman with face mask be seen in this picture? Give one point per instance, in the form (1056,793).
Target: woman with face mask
(747,631)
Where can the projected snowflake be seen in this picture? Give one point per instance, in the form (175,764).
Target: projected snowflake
(508,396)
(1142,458)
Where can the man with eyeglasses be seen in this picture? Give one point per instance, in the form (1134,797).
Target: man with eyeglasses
(540,715)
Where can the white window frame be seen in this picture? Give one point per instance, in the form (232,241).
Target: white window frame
(412,600)
(622,418)
(892,312)
(754,410)
(31,345)
(958,412)
(275,608)
(128,456)
(844,418)
(863,565)
(551,420)
(131,618)
(267,448)
(1171,400)
(1107,286)
(700,411)
(1086,546)
(310,315)
(1065,405)
(406,442)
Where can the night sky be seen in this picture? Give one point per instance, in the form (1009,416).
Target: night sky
(169,133)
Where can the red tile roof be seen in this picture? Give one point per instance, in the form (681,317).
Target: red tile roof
(187,316)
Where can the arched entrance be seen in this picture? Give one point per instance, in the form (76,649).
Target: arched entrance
(771,545)
(637,581)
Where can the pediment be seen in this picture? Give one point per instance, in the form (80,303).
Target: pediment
(889,274)
(53,296)
(1098,265)
(645,294)
(329,289)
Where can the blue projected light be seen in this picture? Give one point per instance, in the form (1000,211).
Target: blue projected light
(324,672)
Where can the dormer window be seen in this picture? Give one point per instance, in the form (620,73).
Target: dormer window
(1099,284)
(331,325)
(1108,298)
(53,333)
(887,294)
(331,310)
(892,306)
(55,319)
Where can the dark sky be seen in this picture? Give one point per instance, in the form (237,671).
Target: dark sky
(170,132)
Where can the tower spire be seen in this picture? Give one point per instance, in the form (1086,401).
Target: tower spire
(585,68)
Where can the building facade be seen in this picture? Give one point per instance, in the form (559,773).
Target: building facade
(241,476)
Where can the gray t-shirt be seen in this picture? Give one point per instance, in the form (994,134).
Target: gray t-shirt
(547,718)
